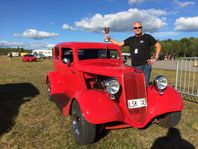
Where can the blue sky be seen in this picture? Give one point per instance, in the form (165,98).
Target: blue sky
(40,24)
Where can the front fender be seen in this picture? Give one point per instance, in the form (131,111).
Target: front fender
(98,108)
(170,101)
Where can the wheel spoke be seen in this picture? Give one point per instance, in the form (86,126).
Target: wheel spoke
(75,127)
(76,122)
(49,90)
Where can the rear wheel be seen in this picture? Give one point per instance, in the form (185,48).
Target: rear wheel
(84,132)
(49,90)
(170,119)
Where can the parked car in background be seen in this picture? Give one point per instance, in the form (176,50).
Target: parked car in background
(40,56)
(29,58)
(90,82)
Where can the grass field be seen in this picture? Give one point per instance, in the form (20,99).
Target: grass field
(28,120)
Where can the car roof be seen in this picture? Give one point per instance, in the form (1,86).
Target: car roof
(88,45)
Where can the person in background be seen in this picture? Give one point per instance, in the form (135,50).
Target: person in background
(140,48)
(10,55)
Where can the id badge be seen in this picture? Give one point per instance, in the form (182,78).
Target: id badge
(136,51)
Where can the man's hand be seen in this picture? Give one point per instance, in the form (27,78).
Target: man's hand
(151,61)
(106,36)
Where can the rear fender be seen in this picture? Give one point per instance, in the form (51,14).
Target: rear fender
(97,107)
(170,101)
(56,82)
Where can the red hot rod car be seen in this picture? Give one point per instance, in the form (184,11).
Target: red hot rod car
(91,83)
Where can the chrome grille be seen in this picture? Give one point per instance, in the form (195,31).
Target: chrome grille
(135,88)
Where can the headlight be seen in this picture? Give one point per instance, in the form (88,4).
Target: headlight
(160,82)
(112,86)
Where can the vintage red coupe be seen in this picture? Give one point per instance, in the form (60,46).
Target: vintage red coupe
(29,58)
(91,83)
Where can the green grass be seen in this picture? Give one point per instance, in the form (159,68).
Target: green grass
(29,120)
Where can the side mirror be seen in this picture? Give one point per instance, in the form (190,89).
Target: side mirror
(66,61)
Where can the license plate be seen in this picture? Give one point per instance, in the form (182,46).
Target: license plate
(137,103)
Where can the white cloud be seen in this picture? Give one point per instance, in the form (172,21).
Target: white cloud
(135,1)
(51,45)
(184,4)
(165,35)
(31,45)
(5,44)
(39,45)
(152,20)
(187,24)
(16,35)
(67,27)
(35,34)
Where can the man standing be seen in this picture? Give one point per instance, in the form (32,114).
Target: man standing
(140,47)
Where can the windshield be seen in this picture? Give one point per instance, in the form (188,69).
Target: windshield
(29,55)
(84,54)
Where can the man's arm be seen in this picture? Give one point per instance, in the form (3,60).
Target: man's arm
(157,50)
(156,55)
(114,41)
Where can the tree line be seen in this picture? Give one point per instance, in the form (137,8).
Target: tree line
(5,51)
(172,49)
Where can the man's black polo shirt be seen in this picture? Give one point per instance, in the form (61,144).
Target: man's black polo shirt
(140,48)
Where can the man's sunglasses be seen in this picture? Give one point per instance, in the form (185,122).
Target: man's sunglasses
(138,27)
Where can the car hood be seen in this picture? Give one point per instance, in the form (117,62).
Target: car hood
(105,68)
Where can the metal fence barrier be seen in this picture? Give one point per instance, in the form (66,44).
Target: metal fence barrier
(187,78)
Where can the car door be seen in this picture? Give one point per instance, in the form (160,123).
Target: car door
(69,72)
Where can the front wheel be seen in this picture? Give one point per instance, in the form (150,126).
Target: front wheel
(84,132)
(170,119)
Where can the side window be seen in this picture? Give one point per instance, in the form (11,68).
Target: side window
(67,53)
(56,53)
